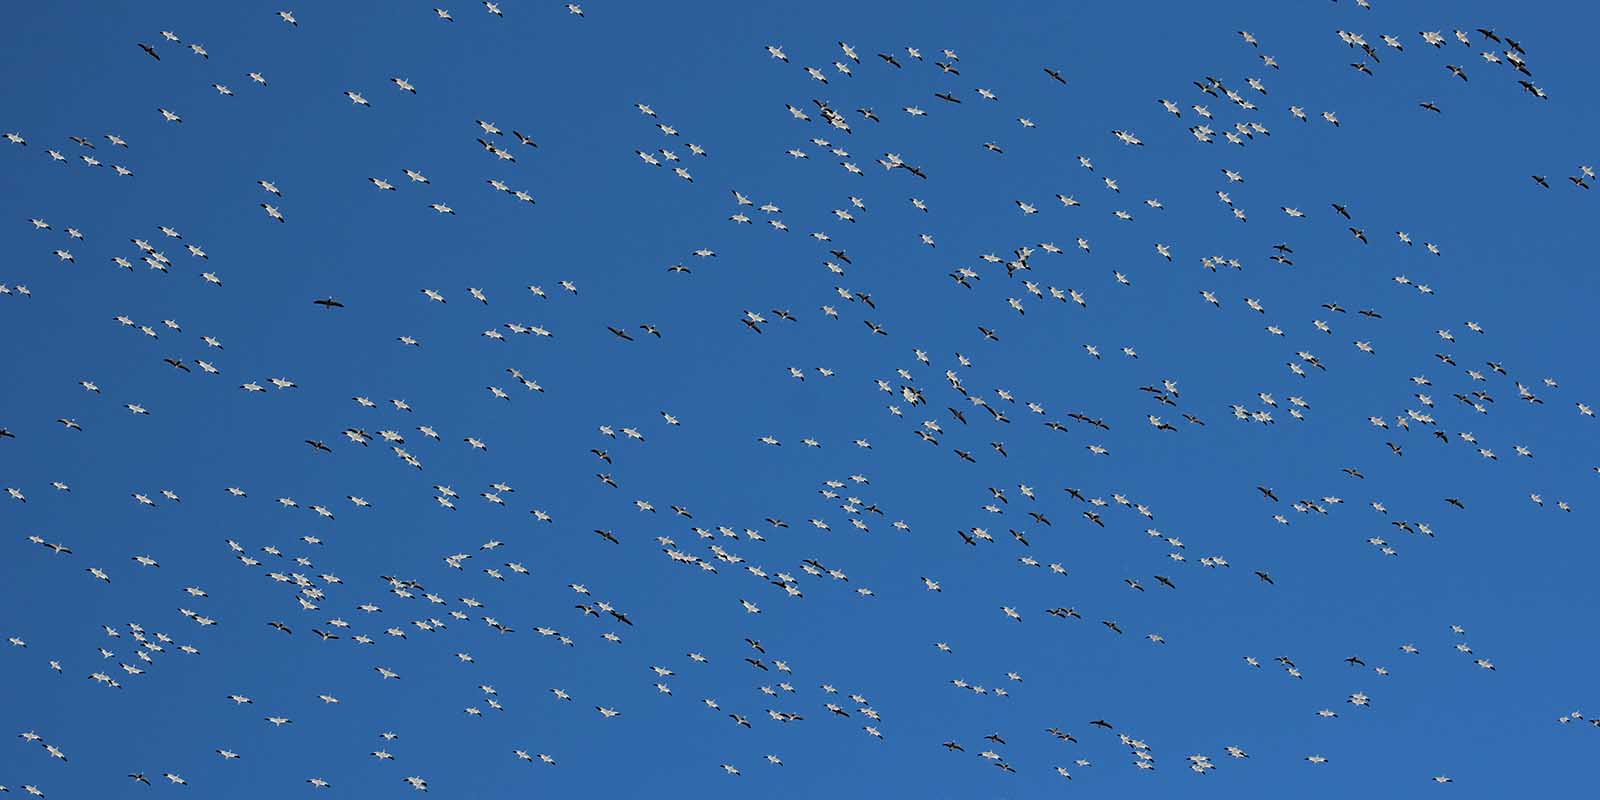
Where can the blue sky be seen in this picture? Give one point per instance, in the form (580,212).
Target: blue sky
(1513,574)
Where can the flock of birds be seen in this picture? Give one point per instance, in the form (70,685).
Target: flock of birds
(935,398)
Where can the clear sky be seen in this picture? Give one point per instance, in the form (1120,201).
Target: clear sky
(1514,259)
